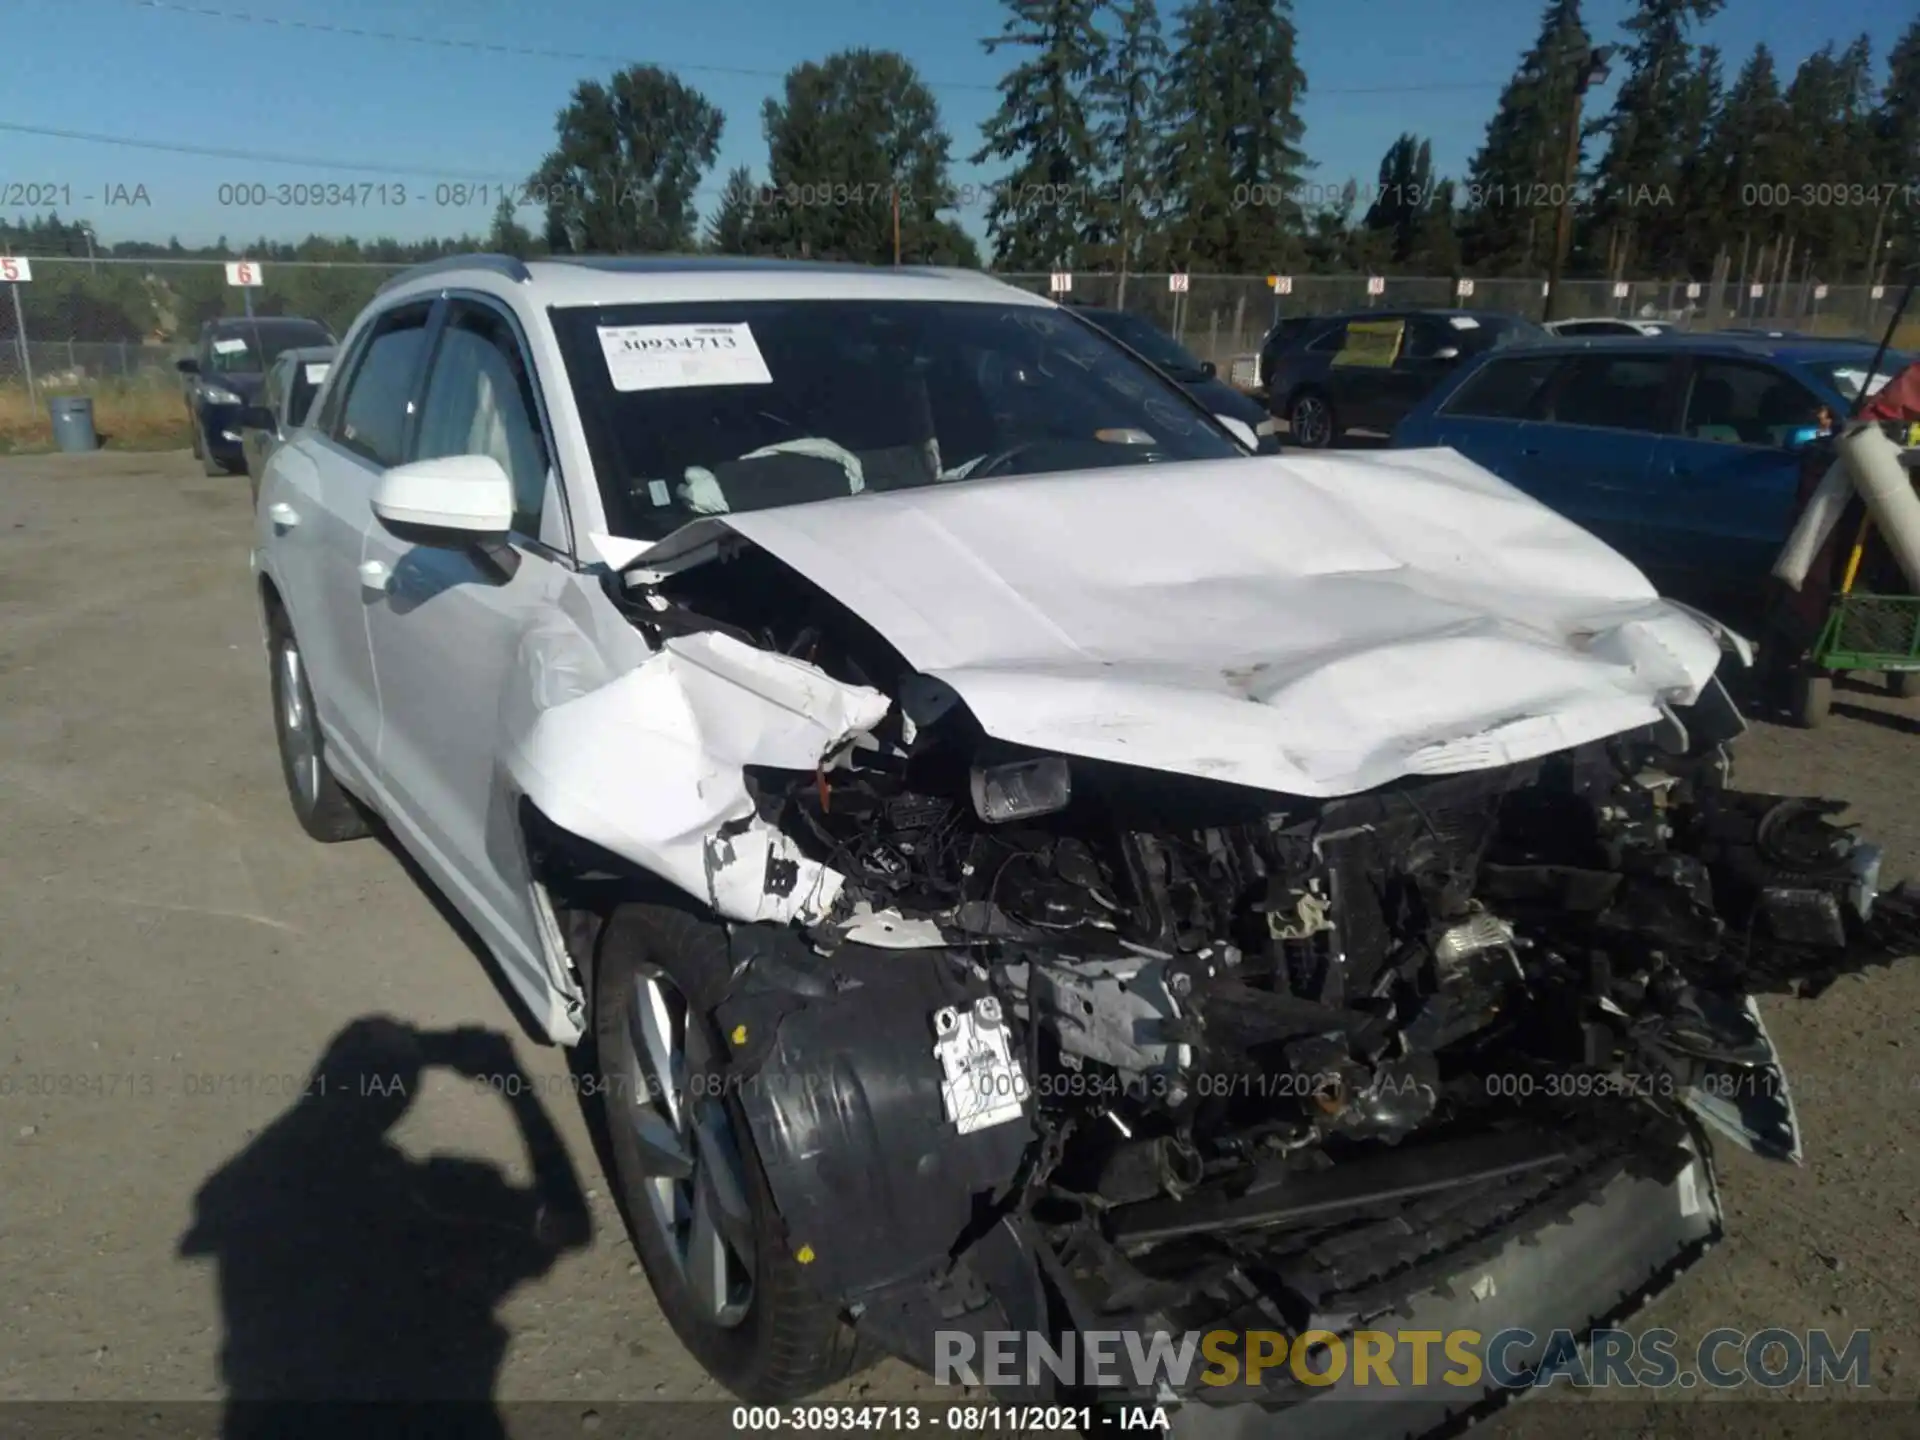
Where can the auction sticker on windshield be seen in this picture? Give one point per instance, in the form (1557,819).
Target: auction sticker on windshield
(678,357)
(229,347)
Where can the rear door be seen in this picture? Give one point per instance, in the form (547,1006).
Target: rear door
(1590,452)
(1728,480)
(1360,377)
(1483,419)
(320,504)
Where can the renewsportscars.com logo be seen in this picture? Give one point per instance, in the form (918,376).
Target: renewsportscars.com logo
(1723,1359)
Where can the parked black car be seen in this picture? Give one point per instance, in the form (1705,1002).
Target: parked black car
(227,372)
(288,395)
(1199,378)
(1327,374)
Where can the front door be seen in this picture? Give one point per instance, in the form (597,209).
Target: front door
(446,629)
(1728,482)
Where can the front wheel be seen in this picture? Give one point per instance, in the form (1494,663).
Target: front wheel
(324,810)
(1310,420)
(696,1202)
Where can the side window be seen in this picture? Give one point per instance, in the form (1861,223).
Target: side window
(1503,389)
(480,401)
(1739,402)
(1428,336)
(1333,339)
(373,416)
(1615,392)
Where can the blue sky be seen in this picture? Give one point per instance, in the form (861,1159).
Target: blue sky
(176,73)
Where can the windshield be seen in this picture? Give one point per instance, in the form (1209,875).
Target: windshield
(249,349)
(1846,377)
(1155,345)
(710,407)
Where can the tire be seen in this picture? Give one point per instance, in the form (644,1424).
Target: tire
(1310,420)
(776,1340)
(1903,684)
(193,429)
(1812,699)
(324,810)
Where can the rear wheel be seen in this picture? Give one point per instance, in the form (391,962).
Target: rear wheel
(1310,420)
(696,1201)
(324,810)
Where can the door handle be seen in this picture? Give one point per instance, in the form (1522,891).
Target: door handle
(374,575)
(283,515)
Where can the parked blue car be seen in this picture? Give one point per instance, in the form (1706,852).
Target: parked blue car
(1681,451)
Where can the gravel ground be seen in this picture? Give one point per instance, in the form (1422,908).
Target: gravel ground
(178,955)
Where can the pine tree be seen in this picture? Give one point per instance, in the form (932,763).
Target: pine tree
(731,230)
(507,236)
(1403,198)
(1125,102)
(1043,209)
(1230,157)
(1896,151)
(1525,148)
(1636,211)
(1748,156)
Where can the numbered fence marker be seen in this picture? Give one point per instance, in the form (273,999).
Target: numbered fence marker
(16,268)
(1819,292)
(1463,288)
(245,273)
(1177,284)
(1282,284)
(1620,289)
(1376,285)
(1061,282)
(1756,291)
(1879,292)
(1693,290)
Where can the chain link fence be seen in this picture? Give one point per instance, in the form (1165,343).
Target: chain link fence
(80,324)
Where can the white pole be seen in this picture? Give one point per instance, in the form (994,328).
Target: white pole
(26,358)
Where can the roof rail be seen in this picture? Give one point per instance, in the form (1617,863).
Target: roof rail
(507,265)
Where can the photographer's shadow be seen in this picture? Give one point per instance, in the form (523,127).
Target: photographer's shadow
(350,1271)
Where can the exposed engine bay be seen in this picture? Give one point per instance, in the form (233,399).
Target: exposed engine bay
(1206,1055)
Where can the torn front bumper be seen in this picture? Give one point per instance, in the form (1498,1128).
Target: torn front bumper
(1601,1263)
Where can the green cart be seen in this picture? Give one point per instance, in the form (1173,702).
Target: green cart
(1863,633)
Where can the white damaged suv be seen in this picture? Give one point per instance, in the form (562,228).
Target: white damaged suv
(1021,860)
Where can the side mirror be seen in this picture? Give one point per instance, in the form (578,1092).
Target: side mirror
(452,503)
(1208,369)
(1242,431)
(187,366)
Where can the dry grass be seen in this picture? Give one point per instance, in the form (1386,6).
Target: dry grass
(127,414)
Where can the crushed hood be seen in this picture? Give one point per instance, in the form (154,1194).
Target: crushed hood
(1312,625)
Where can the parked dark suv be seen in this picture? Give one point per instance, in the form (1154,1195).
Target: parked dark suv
(1327,374)
(225,375)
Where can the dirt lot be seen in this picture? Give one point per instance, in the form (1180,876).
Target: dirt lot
(177,956)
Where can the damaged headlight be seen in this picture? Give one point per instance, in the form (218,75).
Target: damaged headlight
(1022,789)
